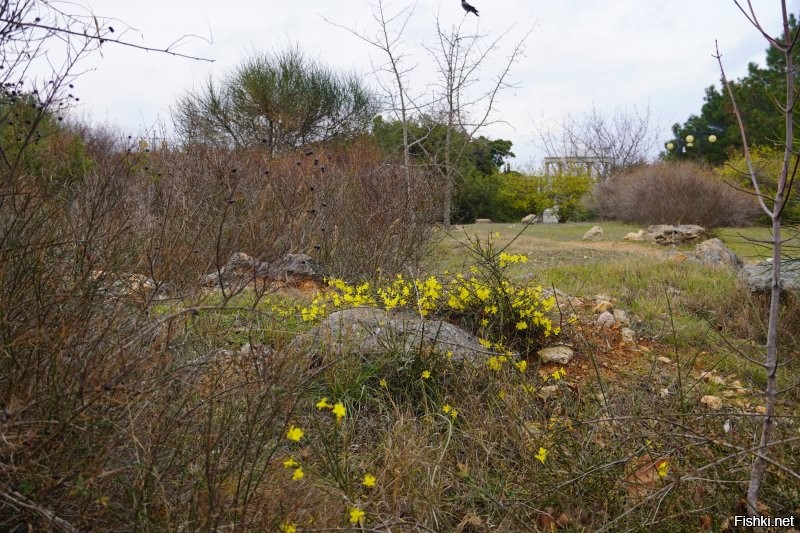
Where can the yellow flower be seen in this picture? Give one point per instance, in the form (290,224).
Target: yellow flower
(521,365)
(447,408)
(290,463)
(323,404)
(288,527)
(542,455)
(426,374)
(522,325)
(485,322)
(357,516)
(369,480)
(486,344)
(453,414)
(449,354)
(558,374)
(501,394)
(339,410)
(294,433)
(383,383)
(298,474)
(662,469)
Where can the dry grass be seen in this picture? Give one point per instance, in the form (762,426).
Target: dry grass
(121,414)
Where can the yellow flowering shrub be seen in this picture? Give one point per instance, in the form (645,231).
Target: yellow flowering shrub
(484,301)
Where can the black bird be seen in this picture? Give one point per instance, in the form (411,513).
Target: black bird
(468,8)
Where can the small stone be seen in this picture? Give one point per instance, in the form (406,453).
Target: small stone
(602,306)
(628,335)
(637,236)
(561,355)
(760,409)
(547,391)
(736,384)
(712,402)
(664,392)
(665,360)
(594,234)
(728,393)
(602,297)
(741,392)
(622,317)
(605,320)
(712,378)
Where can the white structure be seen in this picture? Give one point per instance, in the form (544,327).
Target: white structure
(596,167)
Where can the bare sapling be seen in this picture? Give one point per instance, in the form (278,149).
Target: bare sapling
(773,207)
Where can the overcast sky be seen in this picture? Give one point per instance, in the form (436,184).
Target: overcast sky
(610,54)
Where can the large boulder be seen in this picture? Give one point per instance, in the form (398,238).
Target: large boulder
(758,277)
(550,215)
(665,234)
(530,219)
(368,330)
(715,254)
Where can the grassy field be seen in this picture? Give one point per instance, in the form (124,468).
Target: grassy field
(223,427)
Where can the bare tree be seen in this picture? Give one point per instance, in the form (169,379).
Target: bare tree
(623,139)
(460,59)
(773,207)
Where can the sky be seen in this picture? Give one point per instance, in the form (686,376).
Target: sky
(578,54)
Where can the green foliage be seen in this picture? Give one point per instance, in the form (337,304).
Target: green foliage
(568,192)
(34,143)
(767,162)
(478,162)
(283,101)
(758,95)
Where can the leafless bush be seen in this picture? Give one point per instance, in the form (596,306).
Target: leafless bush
(674,193)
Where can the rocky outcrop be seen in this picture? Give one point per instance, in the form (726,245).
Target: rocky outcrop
(711,253)
(758,277)
(665,234)
(368,330)
(242,269)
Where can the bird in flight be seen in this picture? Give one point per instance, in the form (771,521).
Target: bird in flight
(468,8)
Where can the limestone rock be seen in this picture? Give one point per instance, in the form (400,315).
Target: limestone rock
(292,267)
(758,277)
(714,253)
(621,317)
(242,269)
(628,335)
(594,234)
(368,330)
(483,220)
(602,306)
(605,320)
(638,236)
(666,234)
(546,392)
(529,219)
(561,355)
(550,215)
(712,402)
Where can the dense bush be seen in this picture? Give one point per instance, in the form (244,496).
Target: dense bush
(673,193)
